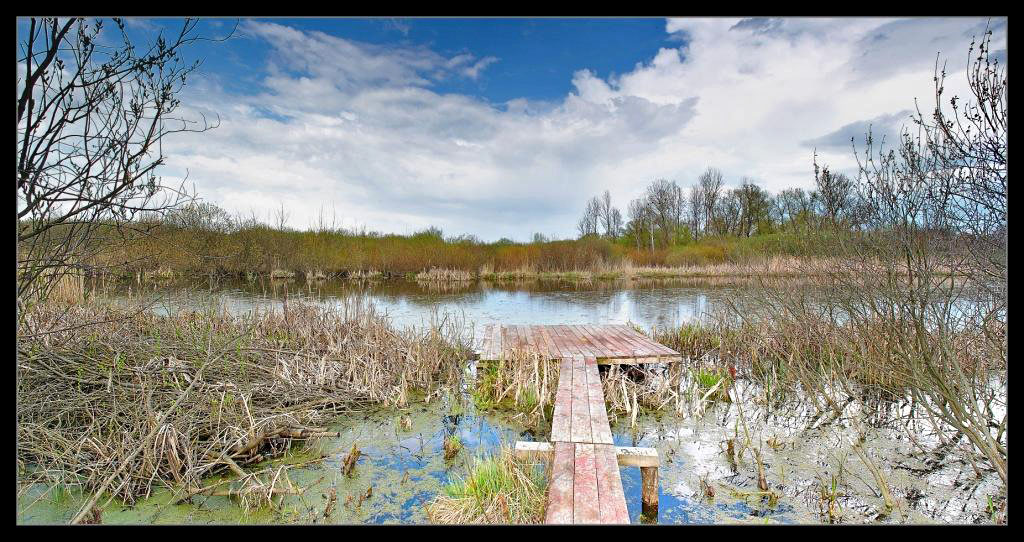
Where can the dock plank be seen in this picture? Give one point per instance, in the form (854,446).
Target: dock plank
(585,508)
(604,341)
(561,485)
(552,349)
(568,348)
(638,345)
(581,344)
(561,417)
(600,429)
(609,486)
(581,430)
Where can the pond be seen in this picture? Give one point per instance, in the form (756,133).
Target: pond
(647,303)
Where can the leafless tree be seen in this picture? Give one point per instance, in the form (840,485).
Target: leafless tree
(616,223)
(968,144)
(794,208)
(728,213)
(90,118)
(639,222)
(755,207)
(935,211)
(696,209)
(710,183)
(610,217)
(666,202)
(588,223)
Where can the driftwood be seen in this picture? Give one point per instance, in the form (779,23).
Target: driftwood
(348,465)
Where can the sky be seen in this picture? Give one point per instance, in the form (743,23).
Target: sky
(505,127)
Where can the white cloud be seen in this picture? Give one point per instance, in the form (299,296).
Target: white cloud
(361,127)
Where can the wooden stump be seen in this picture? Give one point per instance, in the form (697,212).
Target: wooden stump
(649,492)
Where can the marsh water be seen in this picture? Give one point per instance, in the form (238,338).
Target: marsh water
(412,303)
(805,460)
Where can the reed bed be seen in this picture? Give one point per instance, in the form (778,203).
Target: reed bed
(136,399)
(524,383)
(436,274)
(58,285)
(282,274)
(498,489)
(365,274)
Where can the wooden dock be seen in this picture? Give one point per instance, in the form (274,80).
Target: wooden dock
(585,486)
(608,344)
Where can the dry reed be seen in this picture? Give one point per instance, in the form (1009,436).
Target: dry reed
(139,399)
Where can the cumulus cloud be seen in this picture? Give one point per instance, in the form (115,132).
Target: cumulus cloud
(362,128)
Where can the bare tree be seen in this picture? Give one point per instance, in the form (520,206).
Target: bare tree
(696,209)
(638,221)
(710,183)
(611,218)
(616,223)
(90,119)
(935,207)
(728,213)
(588,223)
(793,208)
(666,202)
(754,207)
(969,146)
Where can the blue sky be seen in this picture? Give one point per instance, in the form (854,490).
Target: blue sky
(505,127)
(533,58)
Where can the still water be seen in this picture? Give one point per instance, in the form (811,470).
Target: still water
(410,303)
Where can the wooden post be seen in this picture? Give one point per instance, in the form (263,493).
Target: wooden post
(649,492)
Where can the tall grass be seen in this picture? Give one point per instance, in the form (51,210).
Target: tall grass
(497,489)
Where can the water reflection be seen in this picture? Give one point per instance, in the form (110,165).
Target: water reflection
(647,303)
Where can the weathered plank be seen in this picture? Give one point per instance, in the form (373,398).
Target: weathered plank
(565,343)
(650,343)
(607,346)
(589,350)
(628,456)
(553,351)
(609,486)
(638,345)
(639,361)
(561,416)
(600,429)
(581,429)
(533,451)
(561,485)
(585,494)
(625,456)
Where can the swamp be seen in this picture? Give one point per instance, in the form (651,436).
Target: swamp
(816,333)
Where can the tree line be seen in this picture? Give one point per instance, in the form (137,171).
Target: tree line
(667,214)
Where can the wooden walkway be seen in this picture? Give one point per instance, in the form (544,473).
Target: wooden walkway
(585,486)
(609,344)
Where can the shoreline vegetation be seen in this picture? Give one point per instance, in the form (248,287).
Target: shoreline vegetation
(135,399)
